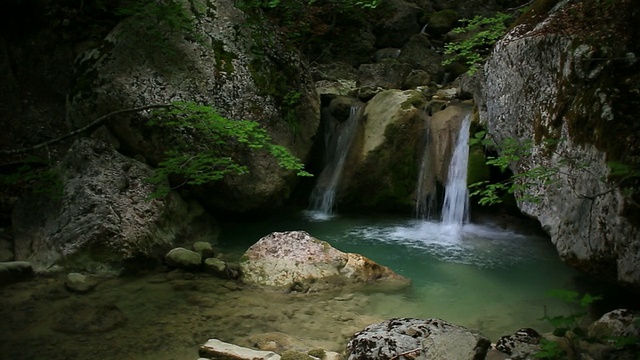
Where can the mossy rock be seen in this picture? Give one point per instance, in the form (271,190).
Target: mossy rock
(477,169)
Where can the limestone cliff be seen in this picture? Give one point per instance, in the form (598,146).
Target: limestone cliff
(566,77)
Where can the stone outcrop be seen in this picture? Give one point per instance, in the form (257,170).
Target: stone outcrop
(103,219)
(142,61)
(550,82)
(432,339)
(299,262)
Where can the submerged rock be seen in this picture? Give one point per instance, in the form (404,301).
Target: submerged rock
(84,318)
(297,261)
(13,271)
(79,283)
(182,258)
(431,339)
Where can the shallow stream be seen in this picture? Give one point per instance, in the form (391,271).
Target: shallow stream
(478,276)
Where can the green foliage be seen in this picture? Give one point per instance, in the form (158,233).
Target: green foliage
(480,33)
(511,152)
(215,158)
(34,175)
(169,12)
(564,323)
(550,350)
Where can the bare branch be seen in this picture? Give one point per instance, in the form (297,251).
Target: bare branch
(90,127)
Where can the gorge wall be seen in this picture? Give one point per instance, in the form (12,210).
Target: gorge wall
(566,77)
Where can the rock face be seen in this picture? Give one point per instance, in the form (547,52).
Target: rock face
(432,339)
(297,261)
(548,82)
(103,220)
(142,62)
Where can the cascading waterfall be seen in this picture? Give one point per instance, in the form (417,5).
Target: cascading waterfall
(323,195)
(455,210)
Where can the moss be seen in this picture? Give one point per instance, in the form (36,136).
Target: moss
(478,170)
(295,355)
(224,59)
(319,353)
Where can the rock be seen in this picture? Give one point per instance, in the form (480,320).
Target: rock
(297,261)
(341,106)
(432,339)
(76,282)
(216,349)
(182,258)
(616,323)
(384,156)
(442,22)
(84,318)
(524,343)
(216,267)
(416,78)
(422,55)
(104,221)
(6,255)
(14,271)
(204,248)
(542,83)
(209,66)
(387,74)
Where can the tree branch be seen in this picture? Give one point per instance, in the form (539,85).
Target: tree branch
(92,126)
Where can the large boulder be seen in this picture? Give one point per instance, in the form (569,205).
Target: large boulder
(551,82)
(103,220)
(297,261)
(143,61)
(385,153)
(432,339)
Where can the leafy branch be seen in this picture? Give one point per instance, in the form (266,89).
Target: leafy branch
(479,35)
(216,156)
(84,130)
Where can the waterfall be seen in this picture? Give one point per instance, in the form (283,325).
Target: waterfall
(455,210)
(323,195)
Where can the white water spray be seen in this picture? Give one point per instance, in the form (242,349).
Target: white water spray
(455,210)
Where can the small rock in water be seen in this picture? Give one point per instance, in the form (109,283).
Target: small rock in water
(204,248)
(79,283)
(182,258)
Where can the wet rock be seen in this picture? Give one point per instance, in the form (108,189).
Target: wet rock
(520,345)
(296,260)
(14,271)
(216,267)
(182,258)
(83,318)
(204,248)
(432,339)
(216,349)
(77,282)
(616,323)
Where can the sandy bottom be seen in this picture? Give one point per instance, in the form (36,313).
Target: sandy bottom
(167,316)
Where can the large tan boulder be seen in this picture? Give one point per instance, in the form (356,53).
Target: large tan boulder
(297,261)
